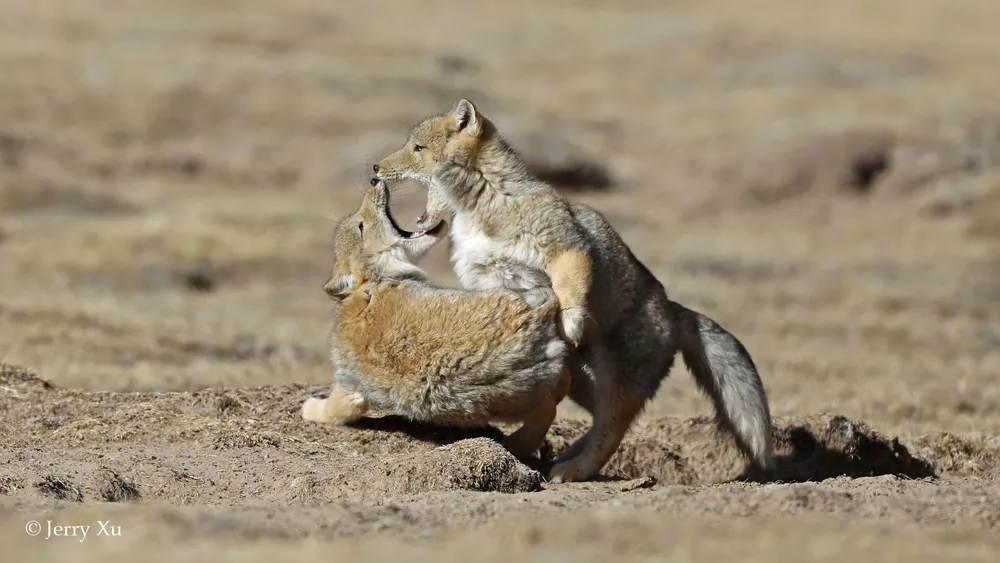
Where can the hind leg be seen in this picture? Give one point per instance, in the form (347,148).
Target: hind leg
(525,440)
(627,367)
(616,410)
(617,402)
(341,407)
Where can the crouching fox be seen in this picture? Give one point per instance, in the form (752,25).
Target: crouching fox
(405,346)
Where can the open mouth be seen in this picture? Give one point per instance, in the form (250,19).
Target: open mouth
(411,234)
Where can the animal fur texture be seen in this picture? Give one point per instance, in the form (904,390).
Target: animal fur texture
(511,230)
(447,356)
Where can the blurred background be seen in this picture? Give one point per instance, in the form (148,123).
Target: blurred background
(822,178)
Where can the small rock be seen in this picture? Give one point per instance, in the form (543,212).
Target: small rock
(635,484)
(115,488)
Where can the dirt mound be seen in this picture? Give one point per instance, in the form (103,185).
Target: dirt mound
(948,169)
(842,447)
(954,455)
(693,452)
(845,162)
(60,487)
(15,379)
(478,464)
(76,438)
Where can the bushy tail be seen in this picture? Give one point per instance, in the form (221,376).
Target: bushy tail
(723,369)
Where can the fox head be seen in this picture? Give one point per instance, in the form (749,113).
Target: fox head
(450,141)
(369,246)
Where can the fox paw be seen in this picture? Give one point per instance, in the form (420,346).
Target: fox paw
(572,323)
(336,409)
(314,410)
(567,472)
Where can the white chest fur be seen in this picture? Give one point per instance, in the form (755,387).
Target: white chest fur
(482,262)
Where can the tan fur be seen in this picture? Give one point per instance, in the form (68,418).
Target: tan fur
(440,355)
(511,230)
(403,333)
(451,152)
(526,439)
(570,271)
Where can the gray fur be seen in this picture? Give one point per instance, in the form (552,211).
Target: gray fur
(504,220)
(641,330)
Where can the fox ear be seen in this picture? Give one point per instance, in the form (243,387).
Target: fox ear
(339,286)
(465,115)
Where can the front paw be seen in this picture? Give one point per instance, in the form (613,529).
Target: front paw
(572,322)
(339,408)
(314,410)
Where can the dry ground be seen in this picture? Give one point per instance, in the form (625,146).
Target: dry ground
(823,180)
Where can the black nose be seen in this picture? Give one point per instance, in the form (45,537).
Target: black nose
(375,168)
(373,181)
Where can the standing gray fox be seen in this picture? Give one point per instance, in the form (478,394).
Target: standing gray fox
(448,356)
(511,230)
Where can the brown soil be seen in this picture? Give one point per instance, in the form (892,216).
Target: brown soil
(244,457)
(822,181)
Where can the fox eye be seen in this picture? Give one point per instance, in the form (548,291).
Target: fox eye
(418,148)
(361,228)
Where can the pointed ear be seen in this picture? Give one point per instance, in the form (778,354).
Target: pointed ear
(465,115)
(338,287)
